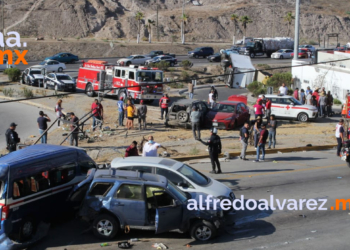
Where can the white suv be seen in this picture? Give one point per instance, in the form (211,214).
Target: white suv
(287,107)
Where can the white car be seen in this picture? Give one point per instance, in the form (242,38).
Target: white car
(182,175)
(133,59)
(282,54)
(309,47)
(287,107)
(52,65)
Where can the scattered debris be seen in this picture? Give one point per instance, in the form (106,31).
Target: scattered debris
(124,245)
(104,244)
(188,245)
(302,215)
(313,231)
(275,161)
(32,136)
(309,145)
(279,152)
(107,128)
(134,240)
(64,134)
(165,154)
(159,246)
(339,177)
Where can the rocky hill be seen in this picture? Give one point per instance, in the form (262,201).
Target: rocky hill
(206,23)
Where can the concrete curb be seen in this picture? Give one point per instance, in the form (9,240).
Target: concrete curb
(253,152)
(201,87)
(29,103)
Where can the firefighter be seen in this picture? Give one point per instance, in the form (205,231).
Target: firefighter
(164,104)
(12,138)
(214,148)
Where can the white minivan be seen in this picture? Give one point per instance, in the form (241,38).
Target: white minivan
(287,107)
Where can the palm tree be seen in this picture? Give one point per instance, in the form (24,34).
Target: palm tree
(245,20)
(139,17)
(289,19)
(234,18)
(150,23)
(184,19)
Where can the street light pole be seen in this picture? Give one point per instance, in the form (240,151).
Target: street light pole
(157,22)
(296,33)
(182,23)
(273,25)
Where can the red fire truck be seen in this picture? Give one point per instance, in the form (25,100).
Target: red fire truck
(138,82)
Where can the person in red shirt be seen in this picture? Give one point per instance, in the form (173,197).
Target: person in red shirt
(132,150)
(258,109)
(261,144)
(97,111)
(164,104)
(268,109)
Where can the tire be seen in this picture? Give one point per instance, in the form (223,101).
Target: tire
(89,91)
(128,64)
(196,56)
(27,229)
(182,116)
(202,230)
(60,69)
(105,227)
(281,57)
(303,117)
(252,55)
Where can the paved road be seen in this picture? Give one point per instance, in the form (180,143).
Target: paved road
(303,175)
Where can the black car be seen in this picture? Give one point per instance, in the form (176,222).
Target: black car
(33,76)
(59,82)
(214,58)
(201,52)
(171,60)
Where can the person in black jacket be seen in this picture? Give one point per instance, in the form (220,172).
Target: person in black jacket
(214,148)
(12,138)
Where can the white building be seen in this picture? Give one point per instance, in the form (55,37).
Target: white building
(334,76)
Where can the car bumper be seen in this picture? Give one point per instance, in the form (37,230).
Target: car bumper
(67,87)
(275,56)
(221,124)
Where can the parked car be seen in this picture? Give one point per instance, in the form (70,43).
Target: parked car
(179,112)
(182,175)
(233,49)
(302,53)
(118,199)
(133,59)
(201,52)
(33,76)
(59,82)
(214,58)
(63,57)
(228,115)
(287,107)
(309,47)
(52,66)
(155,53)
(171,60)
(282,54)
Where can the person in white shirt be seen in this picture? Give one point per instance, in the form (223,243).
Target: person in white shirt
(283,90)
(339,134)
(150,148)
(309,99)
(211,99)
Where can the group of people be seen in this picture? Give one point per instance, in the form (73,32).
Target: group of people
(150,149)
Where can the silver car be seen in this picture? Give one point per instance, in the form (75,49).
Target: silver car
(182,175)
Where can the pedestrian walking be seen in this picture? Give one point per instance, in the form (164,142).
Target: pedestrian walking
(141,114)
(190,90)
(302,96)
(258,109)
(296,93)
(244,136)
(268,109)
(256,130)
(339,134)
(42,124)
(120,104)
(216,94)
(74,129)
(308,54)
(97,111)
(329,104)
(58,111)
(164,106)
(283,90)
(195,120)
(130,112)
(214,148)
(132,150)
(150,149)
(261,144)
(12,138)
(322,101)
(272,131)
(211,99)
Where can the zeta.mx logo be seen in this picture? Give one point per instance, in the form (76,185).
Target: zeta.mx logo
(13,40)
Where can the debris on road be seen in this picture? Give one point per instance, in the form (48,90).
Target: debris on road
(313,231)
(302,215)
(339,177)
(159,246)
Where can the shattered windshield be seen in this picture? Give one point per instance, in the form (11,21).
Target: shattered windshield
(149,76)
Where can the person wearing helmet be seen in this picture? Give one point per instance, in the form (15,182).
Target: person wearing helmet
(120,104)
(214,148)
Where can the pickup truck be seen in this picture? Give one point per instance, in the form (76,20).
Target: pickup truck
(155,53)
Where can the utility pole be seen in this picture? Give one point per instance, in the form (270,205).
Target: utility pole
(273,24)
(296,35)
(157,22)
(182,23)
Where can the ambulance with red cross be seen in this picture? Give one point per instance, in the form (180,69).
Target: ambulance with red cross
(287,107)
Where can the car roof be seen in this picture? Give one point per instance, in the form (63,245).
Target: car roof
(37,67)
(59,74)
(275,96)
(147,161)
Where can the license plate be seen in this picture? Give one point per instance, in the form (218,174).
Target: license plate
(215,124)
(150,97)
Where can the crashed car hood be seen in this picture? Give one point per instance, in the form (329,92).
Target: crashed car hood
(212,115)
(67,81)
(38,76)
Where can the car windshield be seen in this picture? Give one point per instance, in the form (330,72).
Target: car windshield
(295,101)
(43,63)
(224,108)
(177,192)
(149,76)
(35,72)
(280,51)
(250,44)
(197,49)
(194,175)
(64,77)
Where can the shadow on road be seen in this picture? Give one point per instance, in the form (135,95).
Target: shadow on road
(259,171)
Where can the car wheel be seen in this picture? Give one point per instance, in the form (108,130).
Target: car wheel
(303,117)
(281,57)
(60,69)
(202,230)
(196,56)
(252,55)
(182,116)
(89,91)
(105,227)
(128,63)
(27,229)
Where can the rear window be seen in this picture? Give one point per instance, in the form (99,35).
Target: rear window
(100,189)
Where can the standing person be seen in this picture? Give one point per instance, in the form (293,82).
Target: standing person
(132,150)
(261,144)
(256,130)
(195,120)
(216,94)
(42,124)
(329,104)
(142,113)
(130,111)
(150,148)
(164,106)
(339,134)
(74,129)
(258,109)
(309,98)
(190,90)
(58,110)
(97,111)
(211,99)
(322,102)
(244,136)
(302,96)
(120,104)
(268,109)
(12,138)
(272,131)
(214,148)
(296,93)
(308,54)
(283,90)
(308,90)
